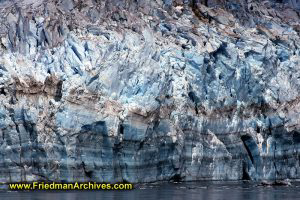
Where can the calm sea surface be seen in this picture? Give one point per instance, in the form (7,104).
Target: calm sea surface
(172,191)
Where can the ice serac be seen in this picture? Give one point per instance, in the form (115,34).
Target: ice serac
(145,91)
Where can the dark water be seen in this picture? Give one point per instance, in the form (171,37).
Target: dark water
(172,191)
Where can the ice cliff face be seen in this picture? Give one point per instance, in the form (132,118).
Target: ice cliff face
(140,91)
